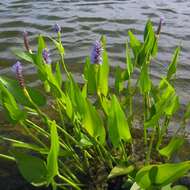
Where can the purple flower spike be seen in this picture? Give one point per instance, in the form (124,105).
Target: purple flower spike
(26,42)
(57,28)
(17,68)
(96,54)
(46,56)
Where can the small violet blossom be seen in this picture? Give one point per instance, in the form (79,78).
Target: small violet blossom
(96,54)
(17,69)
(57,28)
(46,56)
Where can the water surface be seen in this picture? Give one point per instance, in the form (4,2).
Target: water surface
(83,21)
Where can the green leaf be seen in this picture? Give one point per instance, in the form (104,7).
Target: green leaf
(117,124)
(90,78)
(119,82)
(173,146)
(106,105)
(68,106)
(15,89)
(58,45)
(173,65)
(166,103)
(93,123)
(135,44)
(75,95)
(120,170)
(150,41)
(144,80)
(129,61)
(135,186)
(41,45)
(90,118)
(179,187)
(52,80)
(166,173)
(58,74)
(152,174)
(9,103)
(24,55)
(173,107)
(103,75)
(52,160)
(33,169)
(167,187)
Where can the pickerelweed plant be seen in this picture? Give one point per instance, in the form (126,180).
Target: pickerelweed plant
(92,141)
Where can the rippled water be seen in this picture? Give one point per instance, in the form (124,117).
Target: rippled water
(83,21)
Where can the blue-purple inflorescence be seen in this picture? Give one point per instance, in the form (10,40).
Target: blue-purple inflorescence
(26,43)
(57,28)
(17,68)
(96,54)
(46,56)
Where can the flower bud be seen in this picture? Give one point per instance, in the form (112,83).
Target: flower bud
(160,25)
(26,42)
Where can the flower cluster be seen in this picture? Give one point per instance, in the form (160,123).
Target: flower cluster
(46,56)
(17,68)
(96,54)
(57,28)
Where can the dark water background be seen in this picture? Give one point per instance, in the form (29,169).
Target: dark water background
(83,21)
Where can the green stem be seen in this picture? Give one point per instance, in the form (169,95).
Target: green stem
(32,135)
(124,151)
(163,132)
(67,135)
(39,129)
(35,106)
(7,157)
(64,66)
(150,146)
(130,100)
(145,119)
(69,172)
(69,182)
(146,114)
(107,155)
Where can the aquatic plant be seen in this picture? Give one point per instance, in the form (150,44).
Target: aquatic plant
(91,139)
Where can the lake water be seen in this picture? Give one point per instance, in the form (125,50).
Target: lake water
(83,21)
